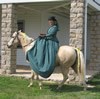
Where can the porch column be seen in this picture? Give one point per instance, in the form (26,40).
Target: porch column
(77,13)
(8,26)
(77,23)
(95,41)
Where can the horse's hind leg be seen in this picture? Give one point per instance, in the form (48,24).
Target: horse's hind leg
(65,76)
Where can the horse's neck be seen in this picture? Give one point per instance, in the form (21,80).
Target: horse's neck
(27,43)
(27,48)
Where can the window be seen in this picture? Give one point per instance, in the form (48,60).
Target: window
(21,26)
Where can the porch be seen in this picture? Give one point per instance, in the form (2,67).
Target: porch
(71,17)
(25,72)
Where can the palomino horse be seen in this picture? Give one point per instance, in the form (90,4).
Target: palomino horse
(65,58)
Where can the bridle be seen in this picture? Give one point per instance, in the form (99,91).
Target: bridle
(14,37)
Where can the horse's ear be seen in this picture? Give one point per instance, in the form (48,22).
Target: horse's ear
(19,31)
(12,34)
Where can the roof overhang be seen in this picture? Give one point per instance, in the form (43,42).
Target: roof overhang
(56,8)
(27,1)
(94,3)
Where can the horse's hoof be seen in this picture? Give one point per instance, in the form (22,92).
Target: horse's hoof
(40,85)
(29,86)
(58,88)
(40,88)
(67,82)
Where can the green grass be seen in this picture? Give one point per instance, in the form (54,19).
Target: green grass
(16,88)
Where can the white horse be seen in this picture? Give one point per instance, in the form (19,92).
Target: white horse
(66,57)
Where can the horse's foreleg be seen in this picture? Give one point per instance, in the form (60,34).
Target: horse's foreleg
(35,76)
(65,77)
(31,78)
(40,84)
(39,81)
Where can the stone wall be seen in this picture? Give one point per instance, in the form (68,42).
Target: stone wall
(0,35)
(94,41)
(76,30)
(77,23)
(8,26)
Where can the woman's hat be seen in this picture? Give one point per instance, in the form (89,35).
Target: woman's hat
(52,18)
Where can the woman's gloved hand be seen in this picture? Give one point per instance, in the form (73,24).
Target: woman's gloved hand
(42,35)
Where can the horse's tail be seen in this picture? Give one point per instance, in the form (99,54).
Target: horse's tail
(81,67)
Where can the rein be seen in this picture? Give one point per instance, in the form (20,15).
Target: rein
(27,44)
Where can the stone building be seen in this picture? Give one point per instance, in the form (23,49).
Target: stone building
(79,22)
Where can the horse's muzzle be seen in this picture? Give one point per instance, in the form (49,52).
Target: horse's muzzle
(9,46)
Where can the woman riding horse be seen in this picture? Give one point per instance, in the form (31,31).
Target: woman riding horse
(42,56)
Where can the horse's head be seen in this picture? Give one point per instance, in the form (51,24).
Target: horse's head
(13,40)
(19,37)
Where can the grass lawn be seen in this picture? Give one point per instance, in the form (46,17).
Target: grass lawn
(16,88)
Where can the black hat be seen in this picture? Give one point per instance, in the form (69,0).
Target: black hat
(52,18)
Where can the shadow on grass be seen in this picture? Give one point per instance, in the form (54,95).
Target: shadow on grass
(65,88)
(76,88)
(95,82)
(96,88)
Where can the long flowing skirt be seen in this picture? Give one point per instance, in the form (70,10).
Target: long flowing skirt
(42,56)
